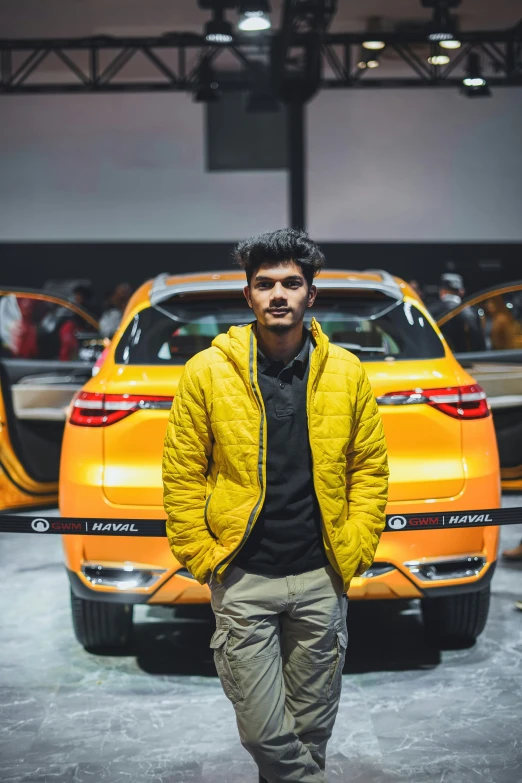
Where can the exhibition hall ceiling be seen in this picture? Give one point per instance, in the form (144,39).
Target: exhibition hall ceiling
(45,18)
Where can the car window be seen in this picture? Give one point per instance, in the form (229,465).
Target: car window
(35,328)
(373,328)
(497,319)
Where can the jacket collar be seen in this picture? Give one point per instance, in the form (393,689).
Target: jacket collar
(237,342)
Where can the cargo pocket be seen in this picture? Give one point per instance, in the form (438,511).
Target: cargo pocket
(341,641)
(219,644)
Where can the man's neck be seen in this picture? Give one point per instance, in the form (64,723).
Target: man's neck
(280,346)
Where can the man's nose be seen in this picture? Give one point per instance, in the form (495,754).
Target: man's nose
(278,291)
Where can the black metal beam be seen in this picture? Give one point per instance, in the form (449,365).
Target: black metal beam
(296,133)
(22,61)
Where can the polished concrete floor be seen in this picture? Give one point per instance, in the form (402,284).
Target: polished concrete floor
(157,714)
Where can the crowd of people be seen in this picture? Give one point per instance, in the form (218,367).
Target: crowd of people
(37,328)
(494,325)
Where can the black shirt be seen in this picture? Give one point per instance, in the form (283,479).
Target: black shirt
(287,537)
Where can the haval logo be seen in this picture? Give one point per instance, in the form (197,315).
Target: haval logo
(115,527)
(470,519)
(397,523)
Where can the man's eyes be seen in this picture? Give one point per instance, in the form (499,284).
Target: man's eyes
(292,284)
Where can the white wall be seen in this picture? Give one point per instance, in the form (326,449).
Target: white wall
(383,165)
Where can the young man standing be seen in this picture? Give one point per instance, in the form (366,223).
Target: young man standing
(275,475)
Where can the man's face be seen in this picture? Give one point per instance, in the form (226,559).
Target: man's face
(279,295)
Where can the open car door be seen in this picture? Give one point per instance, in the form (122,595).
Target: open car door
(498,367)
(48,346)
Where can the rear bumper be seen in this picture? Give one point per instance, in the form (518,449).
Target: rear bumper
(176,589)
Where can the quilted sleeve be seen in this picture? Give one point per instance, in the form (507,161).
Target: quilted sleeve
(367,473)
(186,453)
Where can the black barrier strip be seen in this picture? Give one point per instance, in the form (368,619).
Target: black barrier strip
(155,528)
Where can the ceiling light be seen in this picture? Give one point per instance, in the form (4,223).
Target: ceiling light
(474,85)
(217,29)
(439,59)
(451,43)
(368,60)
(442,26)
(254,15)
(477,81)
(438,37)
(373,45)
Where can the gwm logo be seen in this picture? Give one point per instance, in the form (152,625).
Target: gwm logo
(40,525)
(397,523)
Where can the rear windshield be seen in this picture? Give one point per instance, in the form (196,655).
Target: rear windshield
(372,328)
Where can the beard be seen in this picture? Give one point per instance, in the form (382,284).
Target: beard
(279,328)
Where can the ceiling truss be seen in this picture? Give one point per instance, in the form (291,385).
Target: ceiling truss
(93,65)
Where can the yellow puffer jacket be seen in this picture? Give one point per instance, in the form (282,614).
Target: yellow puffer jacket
(214,460)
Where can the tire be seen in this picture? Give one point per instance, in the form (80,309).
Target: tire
(456,618)
(98,624)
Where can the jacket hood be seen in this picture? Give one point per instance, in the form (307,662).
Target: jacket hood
(236,343)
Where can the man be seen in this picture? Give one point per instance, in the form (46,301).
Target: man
(464,331)
(451,291)
(275,475)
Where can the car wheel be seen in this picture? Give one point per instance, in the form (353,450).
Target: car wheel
(98,624)
(457,618)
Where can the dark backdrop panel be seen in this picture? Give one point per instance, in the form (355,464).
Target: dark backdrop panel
(238,140)
(105,263)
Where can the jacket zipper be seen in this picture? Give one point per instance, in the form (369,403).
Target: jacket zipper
(308,402)
(257,507)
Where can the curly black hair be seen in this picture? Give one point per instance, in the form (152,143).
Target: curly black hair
(286,244)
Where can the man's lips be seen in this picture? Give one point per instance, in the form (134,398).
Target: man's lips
(278,310)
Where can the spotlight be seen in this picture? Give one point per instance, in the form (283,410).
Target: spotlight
(474,85)
(207,90)
(218,30)
(254,15)
(373,42)
(373,45)
(451,43)
(439,59)
(442,26)
(368,61)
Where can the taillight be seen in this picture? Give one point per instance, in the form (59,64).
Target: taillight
(460,402)
(91,409)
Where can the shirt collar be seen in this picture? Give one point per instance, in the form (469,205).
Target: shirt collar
(263,362)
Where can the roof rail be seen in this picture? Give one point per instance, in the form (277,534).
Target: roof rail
(385,276)
(159,285)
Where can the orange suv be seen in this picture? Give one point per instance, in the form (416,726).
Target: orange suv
(442,450)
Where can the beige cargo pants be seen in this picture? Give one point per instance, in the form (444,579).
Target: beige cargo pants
(279,650)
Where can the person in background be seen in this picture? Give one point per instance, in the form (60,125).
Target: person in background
(506,332)
(451,291)
(464,331)
(83,296)
(25,331)
(69,327)
(115,304)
